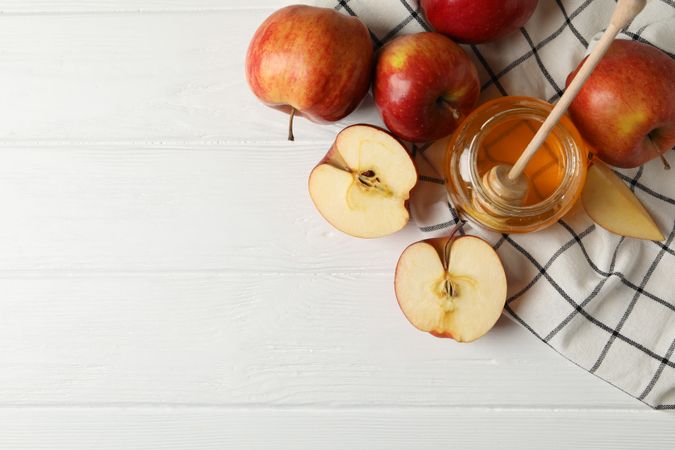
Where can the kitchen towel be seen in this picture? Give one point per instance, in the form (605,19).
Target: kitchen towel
(605,302)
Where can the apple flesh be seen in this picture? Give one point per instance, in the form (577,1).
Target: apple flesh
(626,109)
(609,202)
(453,288)
(311,61)
(477,21)
(363,183)
(424,86)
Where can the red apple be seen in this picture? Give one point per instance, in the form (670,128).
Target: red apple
(626,109)
(452,288)
(362,185)
(312,61)
(476,21)
(424,86)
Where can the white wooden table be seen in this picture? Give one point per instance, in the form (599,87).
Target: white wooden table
(166,283)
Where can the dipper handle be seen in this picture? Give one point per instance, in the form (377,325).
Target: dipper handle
(624,12)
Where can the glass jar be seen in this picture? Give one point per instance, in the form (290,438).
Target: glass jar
(496,133)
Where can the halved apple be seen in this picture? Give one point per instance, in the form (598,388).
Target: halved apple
(609,202)
(452,288)
(362,184)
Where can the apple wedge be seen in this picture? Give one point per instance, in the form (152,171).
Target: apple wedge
(362,184)
(452,288)
(609,202)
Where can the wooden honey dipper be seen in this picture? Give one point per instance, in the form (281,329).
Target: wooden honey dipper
(509,183)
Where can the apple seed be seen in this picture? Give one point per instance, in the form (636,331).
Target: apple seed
(370,180)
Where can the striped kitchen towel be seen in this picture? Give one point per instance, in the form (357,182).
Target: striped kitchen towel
(605,302)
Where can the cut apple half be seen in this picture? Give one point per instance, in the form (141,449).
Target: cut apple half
(609,202)
(362,184)
(452,288)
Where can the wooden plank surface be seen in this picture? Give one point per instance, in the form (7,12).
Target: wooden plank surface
(165,281)
(335,429)
(53,7)
(261,339)
(242,207)
(161,78)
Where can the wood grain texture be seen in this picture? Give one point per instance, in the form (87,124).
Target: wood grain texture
(372,429)
(162,78)
(165,281)
(261,339)
(241,207)
(116,6)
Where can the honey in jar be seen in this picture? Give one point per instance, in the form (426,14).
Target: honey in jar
(496,133)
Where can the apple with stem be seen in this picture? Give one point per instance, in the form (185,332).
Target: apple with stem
(310,61)
(424,85)
(451,287)
(362,185)
(626,109)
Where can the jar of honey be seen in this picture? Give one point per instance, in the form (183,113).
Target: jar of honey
(496,133)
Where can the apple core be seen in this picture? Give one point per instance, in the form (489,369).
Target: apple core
(452,287)
(362,185)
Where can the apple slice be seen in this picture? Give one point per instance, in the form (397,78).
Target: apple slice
(452,288)
(362,184)
(609,202)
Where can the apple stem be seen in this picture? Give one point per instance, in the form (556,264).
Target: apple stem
(290,125)
(458,227)
(448,244)
(448,285)
(453,109)
(666,164)
(446,253)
